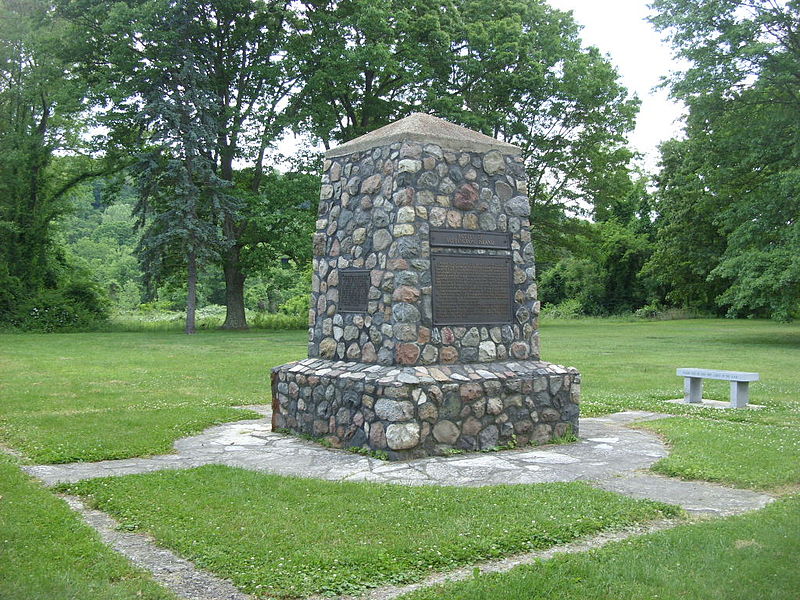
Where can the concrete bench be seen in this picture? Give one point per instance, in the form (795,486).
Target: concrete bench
(693,384)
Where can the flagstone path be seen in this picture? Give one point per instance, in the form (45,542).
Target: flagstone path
(610,455)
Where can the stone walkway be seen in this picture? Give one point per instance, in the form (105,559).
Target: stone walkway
(609,455)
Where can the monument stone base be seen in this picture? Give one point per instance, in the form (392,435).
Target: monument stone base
(416,411)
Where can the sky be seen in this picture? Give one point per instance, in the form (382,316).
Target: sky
(619,30)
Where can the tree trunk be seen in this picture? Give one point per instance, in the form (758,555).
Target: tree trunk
(191,291)
(234,290)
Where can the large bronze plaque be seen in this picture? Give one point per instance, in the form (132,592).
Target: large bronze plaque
(353,290)
(466,238)
(472,289)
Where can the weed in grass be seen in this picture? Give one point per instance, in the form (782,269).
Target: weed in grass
(379,454)
(290,537)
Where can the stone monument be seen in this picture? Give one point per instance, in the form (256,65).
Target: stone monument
(423,332)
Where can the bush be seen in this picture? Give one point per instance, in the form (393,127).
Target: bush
(568,309)
(77,305)
(278,321)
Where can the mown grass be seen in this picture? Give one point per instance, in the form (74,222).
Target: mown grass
(748,455)
(738,558)
(46,551)
(92,396)
(630,365)
(290,537)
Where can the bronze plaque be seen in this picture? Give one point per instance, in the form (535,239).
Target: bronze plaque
(353,290)
(466,238)
(472,289)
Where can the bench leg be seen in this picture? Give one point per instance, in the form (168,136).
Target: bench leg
(692,390)
(739,394)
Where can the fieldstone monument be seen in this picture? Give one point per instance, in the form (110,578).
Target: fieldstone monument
(423,330)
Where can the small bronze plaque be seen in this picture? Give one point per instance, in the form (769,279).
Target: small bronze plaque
(353,290)
(466,238)
(472,289)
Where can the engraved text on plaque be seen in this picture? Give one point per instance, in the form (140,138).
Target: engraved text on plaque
(353,290)
(472,289)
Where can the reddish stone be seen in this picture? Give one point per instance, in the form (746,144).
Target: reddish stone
(405,293)
(471,426)
(407,354)
(397,264)
(424,335)
(520,350)
(448,354)
(377,436)
(448,337)
(470,391)
(466,197)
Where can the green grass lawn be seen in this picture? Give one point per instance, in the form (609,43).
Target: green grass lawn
(110,395)
(46,551)
(749,557)
(91,396)
(290,537)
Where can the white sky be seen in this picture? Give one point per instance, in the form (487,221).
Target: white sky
(619,29)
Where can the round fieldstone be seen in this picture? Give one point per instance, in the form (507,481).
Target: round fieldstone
(327,348)
(487,351)
(381,239)
(394,410)
(466,197)
(448,354)
(493,162)
(407,354)
(402,436)
(405,313)
(446,432)
(519,206)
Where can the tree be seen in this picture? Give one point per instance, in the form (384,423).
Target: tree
(743,133)
(239,82)
(42,113)
(519,73)
(365,63)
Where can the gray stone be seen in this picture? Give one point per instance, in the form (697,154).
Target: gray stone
(446,432)
(488,437)
(394,410)
(493,162)
(519,206)
(402,436)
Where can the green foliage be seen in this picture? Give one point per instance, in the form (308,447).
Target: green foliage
(48,552)
(602,276)
(722,558)
(734,196)
(252,532)
(77,304)
(42,111)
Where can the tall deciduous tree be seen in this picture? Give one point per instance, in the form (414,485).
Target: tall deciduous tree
(365,63)
(743,133)
(42,113)
(520,73)
(237,54)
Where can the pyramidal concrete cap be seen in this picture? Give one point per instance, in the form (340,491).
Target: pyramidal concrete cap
(426,129)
